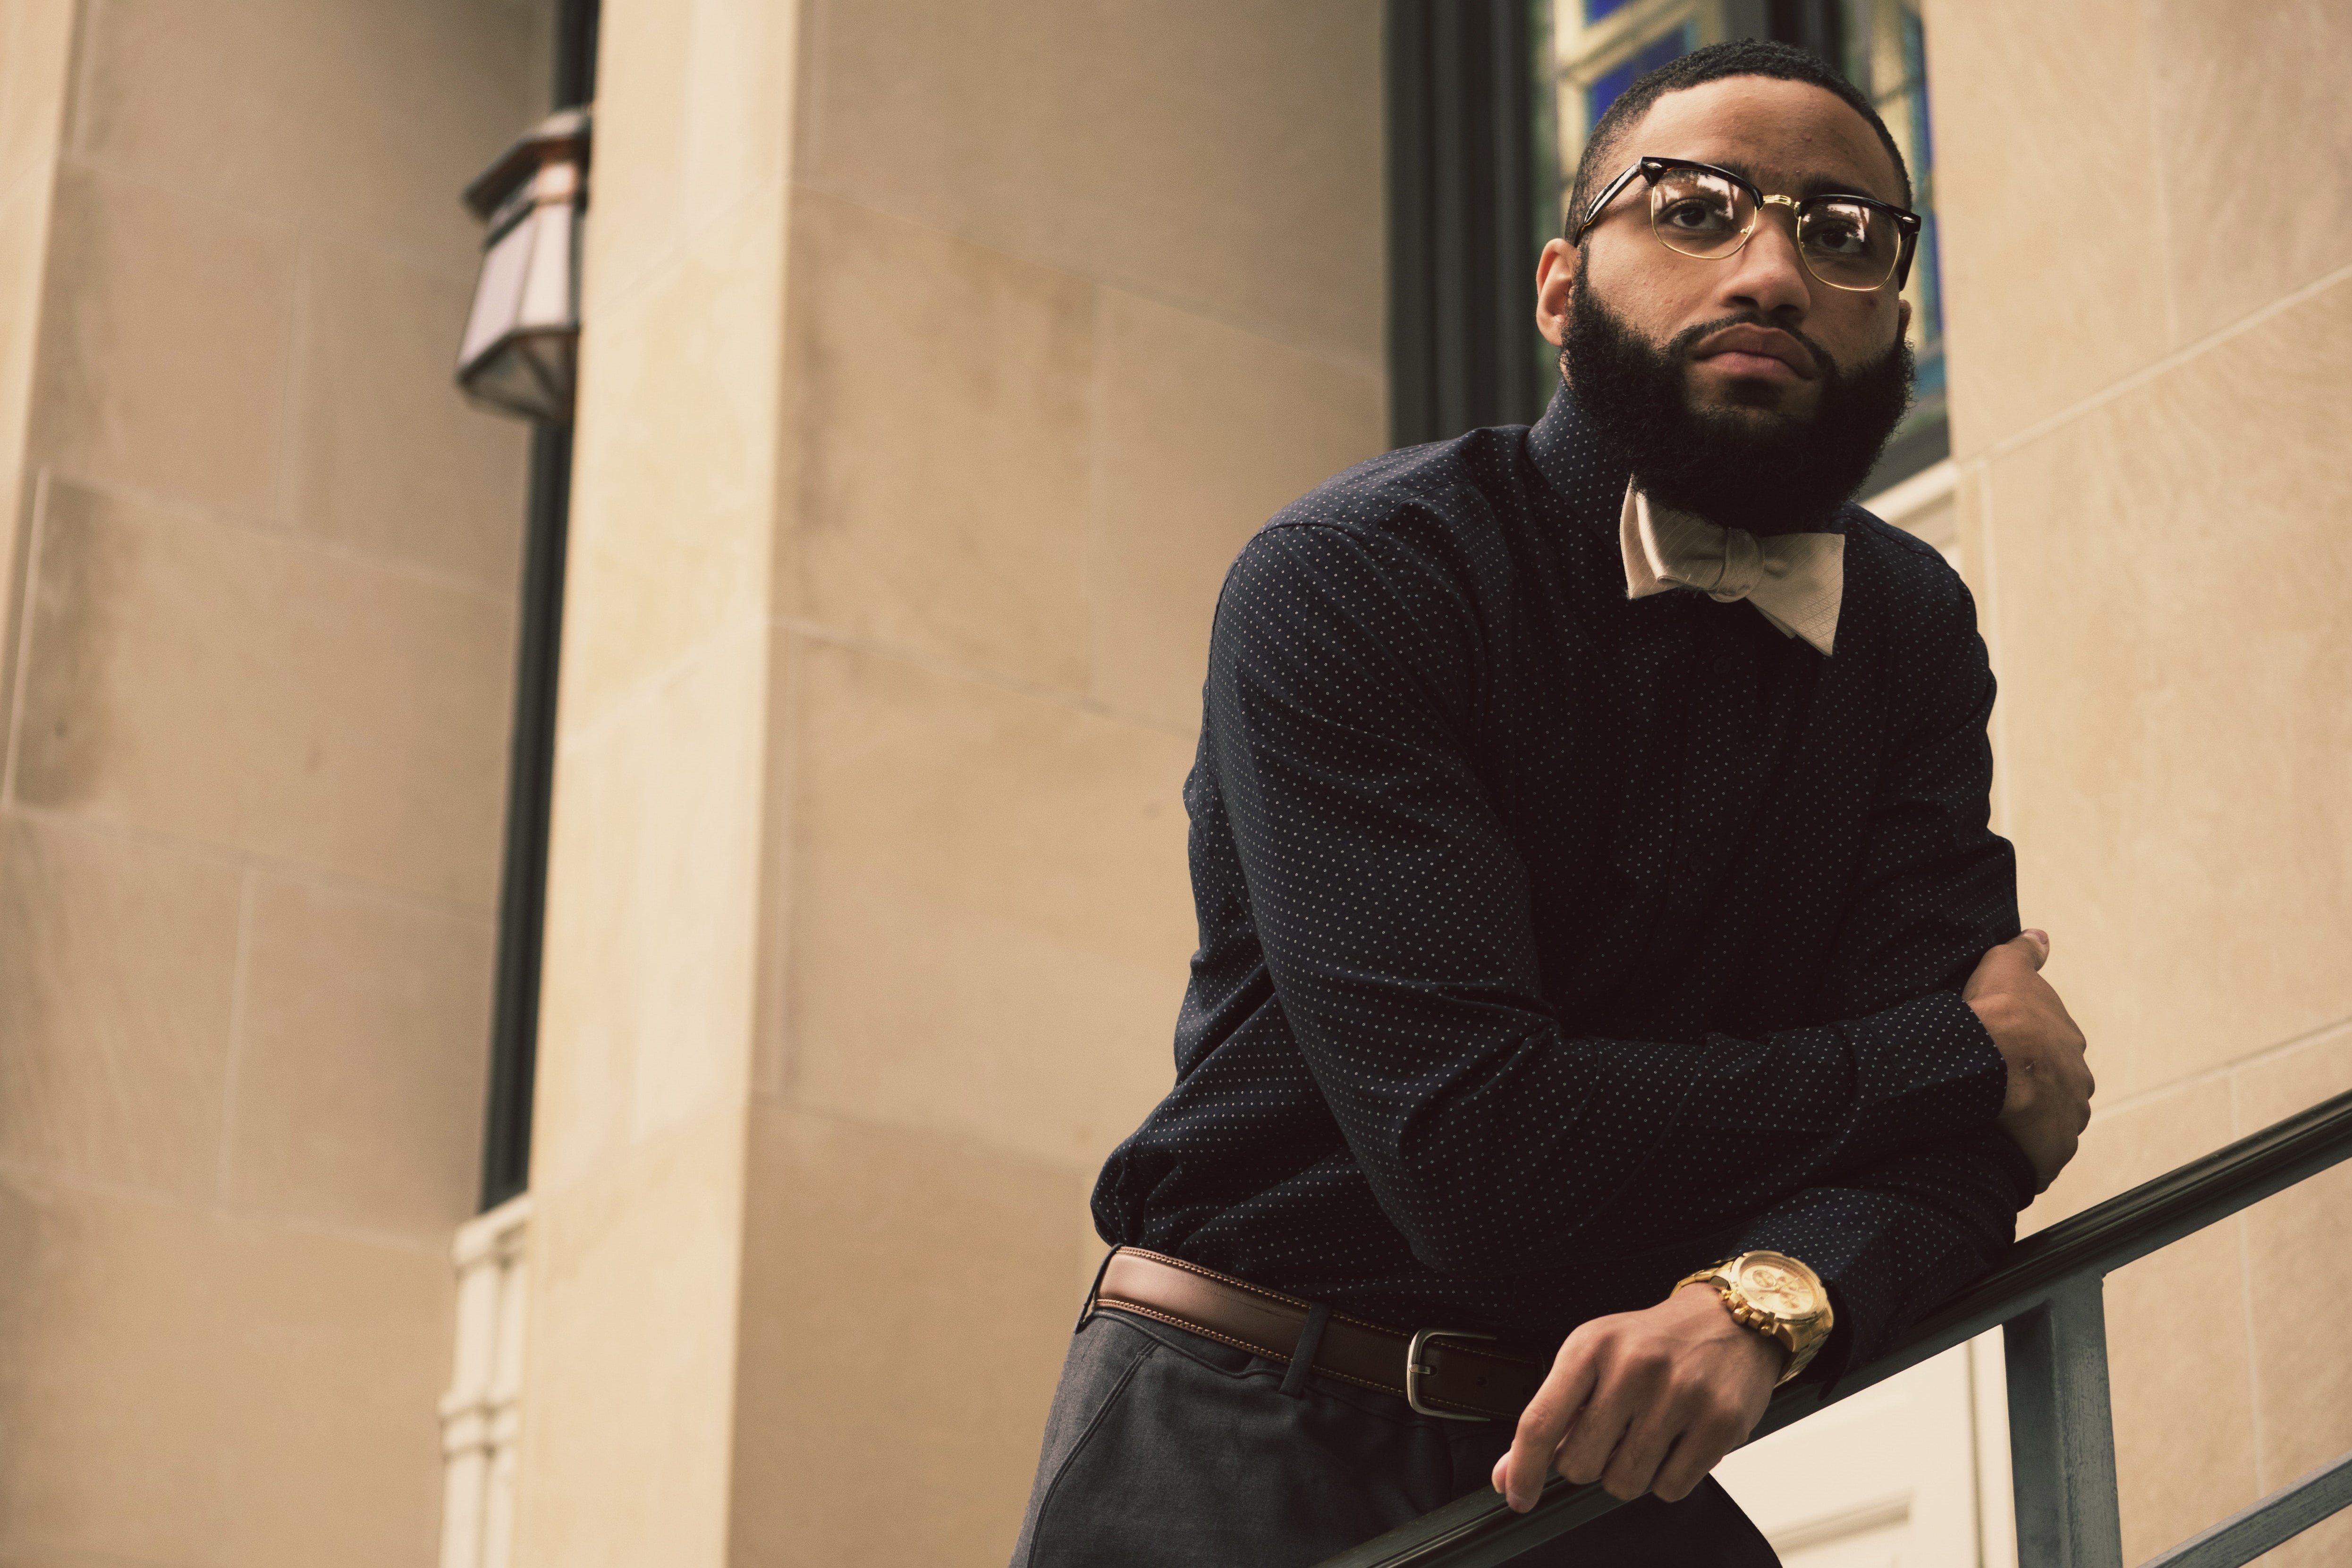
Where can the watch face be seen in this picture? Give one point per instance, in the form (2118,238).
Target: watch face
(1768,1282)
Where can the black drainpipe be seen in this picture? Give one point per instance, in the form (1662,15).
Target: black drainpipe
(530,769)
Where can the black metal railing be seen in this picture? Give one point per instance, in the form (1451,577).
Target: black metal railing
(2062,1434)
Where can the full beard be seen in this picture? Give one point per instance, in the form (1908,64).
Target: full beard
(1763,472)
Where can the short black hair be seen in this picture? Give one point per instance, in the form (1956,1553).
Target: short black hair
(1733,57)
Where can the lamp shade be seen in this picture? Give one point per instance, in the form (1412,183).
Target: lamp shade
(522,340)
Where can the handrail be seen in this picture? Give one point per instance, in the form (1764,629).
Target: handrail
(1479,1532)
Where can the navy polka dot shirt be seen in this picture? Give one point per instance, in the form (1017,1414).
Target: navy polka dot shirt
(1554,943)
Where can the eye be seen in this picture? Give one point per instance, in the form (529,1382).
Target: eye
(1694,215)
(1838,235)
(1839,230)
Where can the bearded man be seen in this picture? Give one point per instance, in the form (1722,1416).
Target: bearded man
(1611,1000)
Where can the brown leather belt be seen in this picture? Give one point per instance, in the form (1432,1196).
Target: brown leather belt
(1438,1372)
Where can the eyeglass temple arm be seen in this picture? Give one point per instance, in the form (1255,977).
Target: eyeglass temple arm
(1600,204)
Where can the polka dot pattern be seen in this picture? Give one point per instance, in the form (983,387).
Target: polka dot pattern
(1554,943)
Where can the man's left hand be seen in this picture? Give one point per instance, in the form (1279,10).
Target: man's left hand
(1645,1401)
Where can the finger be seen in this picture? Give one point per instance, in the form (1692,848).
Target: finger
(2003,967)
(1600,1425)
(2036,944)
(1543,1422)
(1695,1454)
(1638,1454)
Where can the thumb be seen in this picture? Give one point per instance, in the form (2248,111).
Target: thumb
(2036,944)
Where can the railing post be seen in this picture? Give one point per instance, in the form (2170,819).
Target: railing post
(2062,1432)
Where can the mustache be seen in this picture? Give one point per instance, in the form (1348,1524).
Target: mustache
(1678,350)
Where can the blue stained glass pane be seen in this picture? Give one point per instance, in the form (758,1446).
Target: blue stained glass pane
(1930,381)
(1648,58)
(1931,254)
(1915,70)
(1596,9)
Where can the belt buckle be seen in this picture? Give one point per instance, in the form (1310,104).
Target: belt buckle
(1414,1371)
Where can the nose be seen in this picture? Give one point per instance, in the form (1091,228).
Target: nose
(1767,276)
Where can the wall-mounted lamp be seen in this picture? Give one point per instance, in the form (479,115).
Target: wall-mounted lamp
(522,342)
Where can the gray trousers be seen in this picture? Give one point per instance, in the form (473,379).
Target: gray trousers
(1167,1450)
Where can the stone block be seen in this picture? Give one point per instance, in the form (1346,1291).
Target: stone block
(118,964)
(1231,167)
(991,915)
(188,1386)
(361,1062)
(939,425)
(907,1304)
(168,333)
(257,694)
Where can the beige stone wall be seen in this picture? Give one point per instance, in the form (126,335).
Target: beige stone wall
(261,567)
(2148,246)
(938,359)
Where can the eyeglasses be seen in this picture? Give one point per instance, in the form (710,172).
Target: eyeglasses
(1699,210)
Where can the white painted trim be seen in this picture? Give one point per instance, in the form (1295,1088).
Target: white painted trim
(481,1414)
(1900,503)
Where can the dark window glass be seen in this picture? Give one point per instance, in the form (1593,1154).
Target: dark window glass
(1617,79)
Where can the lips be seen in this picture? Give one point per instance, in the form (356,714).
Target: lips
(1758,351)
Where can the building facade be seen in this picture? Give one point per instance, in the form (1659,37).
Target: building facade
(935,361)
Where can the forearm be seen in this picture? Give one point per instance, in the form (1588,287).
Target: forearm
(1501,1160)
(1895,1241)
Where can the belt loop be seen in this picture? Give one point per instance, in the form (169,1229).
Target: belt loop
(1093,1291)
(1302,1357)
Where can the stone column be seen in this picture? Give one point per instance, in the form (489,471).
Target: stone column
(939,358)
(260,561)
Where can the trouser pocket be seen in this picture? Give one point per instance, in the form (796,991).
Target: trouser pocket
(1104,1354)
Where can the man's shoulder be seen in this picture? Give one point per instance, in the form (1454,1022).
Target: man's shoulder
(1408,550)
(1436,514)
(1418,495)
(1889,569)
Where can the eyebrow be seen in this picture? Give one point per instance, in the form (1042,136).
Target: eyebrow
(1812,186)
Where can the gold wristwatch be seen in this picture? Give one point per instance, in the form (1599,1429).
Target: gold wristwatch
(1777,1297)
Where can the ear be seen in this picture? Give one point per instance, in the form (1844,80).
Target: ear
(1555,288)
(1902,321)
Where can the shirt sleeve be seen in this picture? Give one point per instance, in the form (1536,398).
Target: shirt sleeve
(1937,888)
(1894,1242)
(1395,914)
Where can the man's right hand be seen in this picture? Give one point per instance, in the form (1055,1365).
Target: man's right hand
(2050,1085)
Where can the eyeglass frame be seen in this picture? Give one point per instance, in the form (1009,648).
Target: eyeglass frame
(1907,222)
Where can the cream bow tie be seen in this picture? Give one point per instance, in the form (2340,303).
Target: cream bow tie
(1795,580)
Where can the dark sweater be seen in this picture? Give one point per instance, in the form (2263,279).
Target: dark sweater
(1553,944)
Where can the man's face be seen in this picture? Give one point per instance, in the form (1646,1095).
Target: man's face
(1759,355)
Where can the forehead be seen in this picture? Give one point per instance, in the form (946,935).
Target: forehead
(1786,136)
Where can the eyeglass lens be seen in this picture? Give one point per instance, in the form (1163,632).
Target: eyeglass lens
(1846,245)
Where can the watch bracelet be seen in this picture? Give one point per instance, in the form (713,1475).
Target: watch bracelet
(1754,1319)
